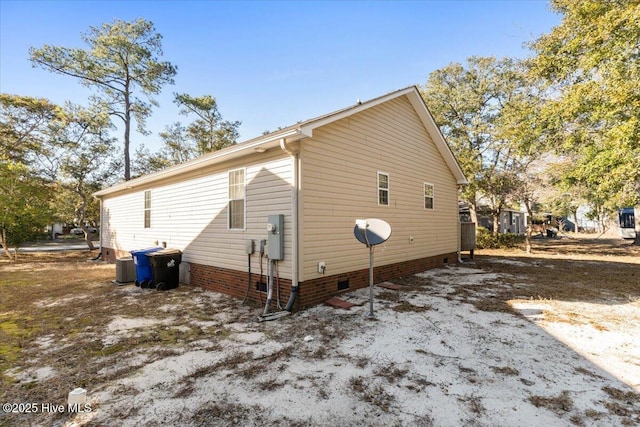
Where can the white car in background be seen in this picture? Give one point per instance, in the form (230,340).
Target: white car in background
(78,231)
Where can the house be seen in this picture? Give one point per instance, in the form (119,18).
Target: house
(384,158)
(510,221)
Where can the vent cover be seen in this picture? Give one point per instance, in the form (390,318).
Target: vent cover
(343,284)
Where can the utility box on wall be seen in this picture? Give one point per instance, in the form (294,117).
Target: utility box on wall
(275,237)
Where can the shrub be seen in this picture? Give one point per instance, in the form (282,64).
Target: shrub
(486,240)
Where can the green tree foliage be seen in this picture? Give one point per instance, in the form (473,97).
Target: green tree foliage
(177,147)
(468,103)
(147,162)
(84,166)
(122,62)
(27,147)
(591,63)
(26,128)
(208,131)
(25,205)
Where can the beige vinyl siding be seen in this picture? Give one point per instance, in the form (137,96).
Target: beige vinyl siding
(190,213)
(123,222)
(340,166)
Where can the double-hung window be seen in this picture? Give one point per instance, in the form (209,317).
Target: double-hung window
(428,196)
(383,189)
(147,209)
(237,197)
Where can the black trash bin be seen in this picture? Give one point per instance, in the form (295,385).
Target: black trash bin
(165,268)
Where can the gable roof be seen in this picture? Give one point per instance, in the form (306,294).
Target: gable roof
(297,132)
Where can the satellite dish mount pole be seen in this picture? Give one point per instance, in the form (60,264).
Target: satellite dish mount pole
(371,232)
(371,315)
(370,246)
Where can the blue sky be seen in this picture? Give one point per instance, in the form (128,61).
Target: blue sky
(271,64)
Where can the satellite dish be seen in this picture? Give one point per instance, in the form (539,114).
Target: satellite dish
(372,231)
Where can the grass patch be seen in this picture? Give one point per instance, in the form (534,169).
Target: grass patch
(621,395)
(566,269)
(390,372)
(559,404)
(270,385)
(388,296)
(474,403)
(505,370)
(56,310)
(407,307)
(375,395)
(493,304)
(588,373)
(226,413)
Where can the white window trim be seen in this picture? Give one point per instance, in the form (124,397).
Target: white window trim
(144,212)
(388,189)
(244,195)
(433,196)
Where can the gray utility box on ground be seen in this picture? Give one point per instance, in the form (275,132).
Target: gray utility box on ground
(125,270)
(275,237)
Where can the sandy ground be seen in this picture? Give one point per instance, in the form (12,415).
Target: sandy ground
(431,357)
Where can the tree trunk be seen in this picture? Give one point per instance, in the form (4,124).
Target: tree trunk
(127,133)
(473,214)
(87,238)
(496,224)
(529,231)
(575,220)
(81,215)
(3,241)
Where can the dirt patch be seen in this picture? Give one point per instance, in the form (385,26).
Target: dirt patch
(554,331)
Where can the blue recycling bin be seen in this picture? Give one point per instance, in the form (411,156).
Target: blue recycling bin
(144,273)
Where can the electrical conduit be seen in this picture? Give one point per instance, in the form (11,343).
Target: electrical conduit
(295,160)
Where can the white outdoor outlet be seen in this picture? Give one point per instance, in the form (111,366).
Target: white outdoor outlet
(321,267)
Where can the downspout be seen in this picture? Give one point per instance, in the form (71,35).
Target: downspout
(459,226)
(101,225)
(295,159)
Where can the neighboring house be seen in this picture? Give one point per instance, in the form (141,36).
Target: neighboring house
(510,221)
(384,158)
(54,230)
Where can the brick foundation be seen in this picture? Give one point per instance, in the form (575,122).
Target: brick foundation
(312,292)
(110,254)
(319,290)
(234,283)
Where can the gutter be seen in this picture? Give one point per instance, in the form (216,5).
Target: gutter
(206,160)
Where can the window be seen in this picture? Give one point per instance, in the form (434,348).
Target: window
(428,196)
(236,199)
(383,189)
(147,209)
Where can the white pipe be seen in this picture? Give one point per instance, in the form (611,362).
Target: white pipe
(295,160)
(459,233)
(269,288)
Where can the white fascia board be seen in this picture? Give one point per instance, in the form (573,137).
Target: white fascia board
(235,151)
